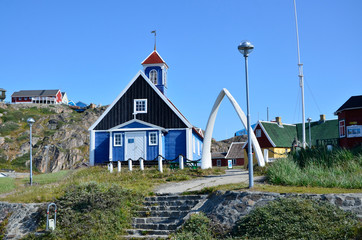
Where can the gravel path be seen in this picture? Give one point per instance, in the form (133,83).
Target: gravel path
(230,176)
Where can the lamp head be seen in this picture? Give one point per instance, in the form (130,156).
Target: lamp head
(309,119)
(30,121)
(245,47)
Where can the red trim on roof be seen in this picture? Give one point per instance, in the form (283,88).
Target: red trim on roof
(153,58)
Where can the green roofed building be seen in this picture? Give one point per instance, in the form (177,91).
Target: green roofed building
(277,138)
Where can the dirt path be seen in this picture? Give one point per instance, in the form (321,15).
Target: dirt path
(230,176)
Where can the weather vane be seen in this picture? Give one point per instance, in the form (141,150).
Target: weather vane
(154,31)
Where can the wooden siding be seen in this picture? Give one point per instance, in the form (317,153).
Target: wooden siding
(101,147)
(158,112)
(175,144)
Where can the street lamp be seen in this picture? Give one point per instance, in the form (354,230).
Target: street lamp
(30,121)
(310,136)
(245,48)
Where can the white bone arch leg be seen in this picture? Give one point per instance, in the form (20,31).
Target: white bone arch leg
(206,149)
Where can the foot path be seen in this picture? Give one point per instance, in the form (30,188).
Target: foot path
(230,176)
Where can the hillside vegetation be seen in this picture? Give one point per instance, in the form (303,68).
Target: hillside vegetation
(60,136)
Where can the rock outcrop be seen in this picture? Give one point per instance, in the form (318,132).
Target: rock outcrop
(60,136)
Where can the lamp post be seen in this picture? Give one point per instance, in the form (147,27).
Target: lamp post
(245,48)
(310,136)
(30,121)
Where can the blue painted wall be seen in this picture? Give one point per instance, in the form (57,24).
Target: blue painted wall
(101,151)
(175,144)
(198,146)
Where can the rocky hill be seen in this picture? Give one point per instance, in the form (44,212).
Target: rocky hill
(60,137)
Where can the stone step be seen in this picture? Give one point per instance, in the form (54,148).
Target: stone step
(170,214)
(143,232)
(168,220)
(175,197)
(155,226)
(168,208)
(171,203)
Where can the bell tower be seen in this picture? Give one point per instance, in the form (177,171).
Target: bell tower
(155,69)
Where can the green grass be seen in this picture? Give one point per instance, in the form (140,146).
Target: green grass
(345,175)
(7,184)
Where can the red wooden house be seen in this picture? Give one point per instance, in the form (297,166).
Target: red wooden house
(37,96)
(350,122)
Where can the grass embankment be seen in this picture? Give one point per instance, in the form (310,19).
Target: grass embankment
(288,218)
(339,168)
(95,204)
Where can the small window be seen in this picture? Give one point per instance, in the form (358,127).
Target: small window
(140,106)
(342,129)
(153,76)
(234,162)
(193,145)
(258,133)
(152,138)
(198,148)
(19,98)
(25,98)
(117,139)
(218,163)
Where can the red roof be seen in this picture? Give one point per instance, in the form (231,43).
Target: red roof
(153,58)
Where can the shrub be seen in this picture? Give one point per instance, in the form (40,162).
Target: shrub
(292,218)
(94,211)
(8,127)
(197,227)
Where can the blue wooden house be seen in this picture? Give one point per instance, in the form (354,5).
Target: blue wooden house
(143,123)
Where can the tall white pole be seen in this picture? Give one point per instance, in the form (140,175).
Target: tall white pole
(250,155)
(31,157)
(301,80)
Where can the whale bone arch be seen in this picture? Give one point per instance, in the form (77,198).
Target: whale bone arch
(206,149)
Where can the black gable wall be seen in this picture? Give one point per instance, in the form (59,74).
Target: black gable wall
(158,112)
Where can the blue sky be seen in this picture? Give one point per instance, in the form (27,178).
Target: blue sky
(91,49)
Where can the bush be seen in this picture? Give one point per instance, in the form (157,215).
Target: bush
(94,211)
(198,227)
(8,127)
(292,218)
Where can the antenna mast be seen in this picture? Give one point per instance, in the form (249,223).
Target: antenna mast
(154,31)
(301,77)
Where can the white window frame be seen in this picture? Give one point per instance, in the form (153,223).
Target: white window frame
(115,142)
(218,162)
(198,148)
(234,162)
(344,128)
(149,139)
(135,105)
(258,133)
(154,76)
(193,144)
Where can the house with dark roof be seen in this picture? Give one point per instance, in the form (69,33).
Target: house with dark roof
(350,122)
(235,153)
(276,139)
(37,96)
(2,94)
(143,123)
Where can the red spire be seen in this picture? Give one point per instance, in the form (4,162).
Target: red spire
(153,58)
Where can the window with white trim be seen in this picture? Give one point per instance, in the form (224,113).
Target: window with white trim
(140,106)
(117,139)
(153,76)
(258,133)
(234,162)
(218,163)
(198,148)
(152,138)
(193,145)
(342,129)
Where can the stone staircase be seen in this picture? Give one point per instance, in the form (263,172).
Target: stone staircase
(163,214)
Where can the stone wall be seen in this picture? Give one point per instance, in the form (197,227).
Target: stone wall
(228,207)
(22,218)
